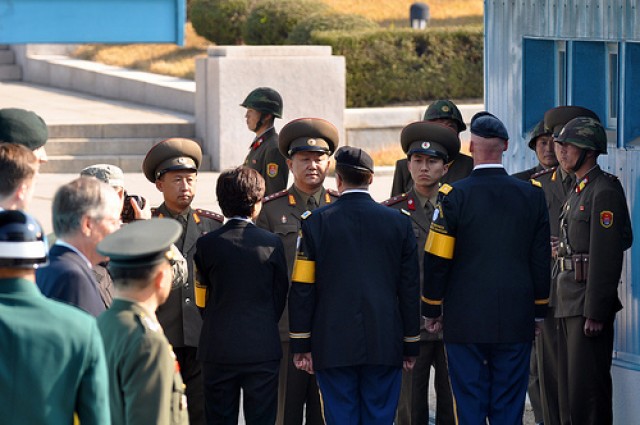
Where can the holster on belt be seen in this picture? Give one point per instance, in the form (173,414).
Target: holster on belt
(578,263)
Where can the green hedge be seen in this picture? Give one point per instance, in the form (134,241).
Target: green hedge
(399,66)
(219,21)
(271,21)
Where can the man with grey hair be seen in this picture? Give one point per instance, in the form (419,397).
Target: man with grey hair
(84,211)
(18,168)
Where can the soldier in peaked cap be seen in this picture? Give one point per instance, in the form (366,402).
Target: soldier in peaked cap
(144,381)
(26,128)
(443,112)
(173,166)
(428,146)
(264,105)
(541,142)
(595,230)
(308,144)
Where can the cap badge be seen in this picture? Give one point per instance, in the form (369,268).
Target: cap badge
(182,160)
(311,142)
(445,108)
(425,145)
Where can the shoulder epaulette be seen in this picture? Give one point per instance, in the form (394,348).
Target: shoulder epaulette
(395,200)
(543,172)
(210,214)
(333,192)
(275,196)
(535,182)
(305,215)
(445,189)
(611,177)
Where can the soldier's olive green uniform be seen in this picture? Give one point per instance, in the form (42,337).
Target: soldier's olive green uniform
(265,158)
(145,382)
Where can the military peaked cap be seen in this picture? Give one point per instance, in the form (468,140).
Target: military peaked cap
(172,154)
(308,134)
(430,138)
(556,118)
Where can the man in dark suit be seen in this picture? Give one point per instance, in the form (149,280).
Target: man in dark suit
(52,360)
(307,143)
(173,166)
(84,211)
(486,274)
(428,146)
(443,112)
(264,105)
(353,306)
(242,286)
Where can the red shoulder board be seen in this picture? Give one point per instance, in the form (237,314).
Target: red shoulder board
(210,214)
(275,196)
(395,200)
(333,192)
(543,172)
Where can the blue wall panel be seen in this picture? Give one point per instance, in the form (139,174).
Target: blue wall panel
(92,21)
(588,77)
(538,80)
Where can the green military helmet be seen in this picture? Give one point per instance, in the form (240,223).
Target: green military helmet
(585,133)
(556,118)
(445,109)
(23,127)
(265,100)
(538,130)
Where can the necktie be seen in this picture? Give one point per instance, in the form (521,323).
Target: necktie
(567,183)
(428,209)
(183,223)
(311,203)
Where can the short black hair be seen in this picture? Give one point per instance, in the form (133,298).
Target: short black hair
(353,176)
(238,190)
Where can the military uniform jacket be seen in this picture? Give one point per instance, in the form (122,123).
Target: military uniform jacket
(265,158)
(280,214)
(355,286)
(598,224)
(179,315)
(145,386)
(409,204)
(527,174)
(244,271)
(52,360)
(486,268)
(69,279)
(459,168)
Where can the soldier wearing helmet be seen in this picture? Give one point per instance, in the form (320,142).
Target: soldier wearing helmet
(443,112)
(52,360)
(264,105)
(595,230)
(541,142)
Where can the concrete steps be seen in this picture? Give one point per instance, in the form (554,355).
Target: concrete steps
(72,147)
(9,71)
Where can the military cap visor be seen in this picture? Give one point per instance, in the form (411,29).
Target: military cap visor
(356,158)
(141,243)
(171,154)
(431,139)
(556,118)
(308,134)
(22,127)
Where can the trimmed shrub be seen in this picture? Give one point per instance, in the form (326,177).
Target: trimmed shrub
(327,21)
(393,66)
(271,21)
(219,21)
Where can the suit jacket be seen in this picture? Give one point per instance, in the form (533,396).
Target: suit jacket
(486,267)
(52,360)
(598,224)
(265,158)
(179,315)
(459,168)
(280,214)
(354,295)
(69,279)
(145,385)
(245,272)
(527,174)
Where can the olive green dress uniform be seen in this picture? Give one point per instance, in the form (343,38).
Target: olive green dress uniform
(281,214)
(265,158)
(142,362)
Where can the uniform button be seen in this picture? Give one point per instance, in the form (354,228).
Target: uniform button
(187,300)
(186,286)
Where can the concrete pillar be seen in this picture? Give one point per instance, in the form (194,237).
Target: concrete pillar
(311,81)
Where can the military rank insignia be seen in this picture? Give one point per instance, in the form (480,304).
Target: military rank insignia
(606,219)
(272,169)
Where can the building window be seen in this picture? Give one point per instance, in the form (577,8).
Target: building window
(561,73)
(612,85)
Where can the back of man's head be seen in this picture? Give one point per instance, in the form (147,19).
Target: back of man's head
(354,166)
(18,165)
(83,196)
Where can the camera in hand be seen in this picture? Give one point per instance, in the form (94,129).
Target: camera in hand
(128,215)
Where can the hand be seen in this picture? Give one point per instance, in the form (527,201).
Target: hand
(433,325)
(539,326)
(304,361)
(408,364)
(140,214)
(592,327)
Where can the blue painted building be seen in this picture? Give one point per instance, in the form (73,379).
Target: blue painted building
(544,53)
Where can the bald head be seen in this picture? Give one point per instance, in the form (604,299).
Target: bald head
(487,150)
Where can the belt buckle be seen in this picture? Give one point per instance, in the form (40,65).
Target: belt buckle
(562,268)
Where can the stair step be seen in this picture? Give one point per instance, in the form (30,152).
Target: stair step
(128,163)
(7,57)
(157,131)
(99,146)
(10,73)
